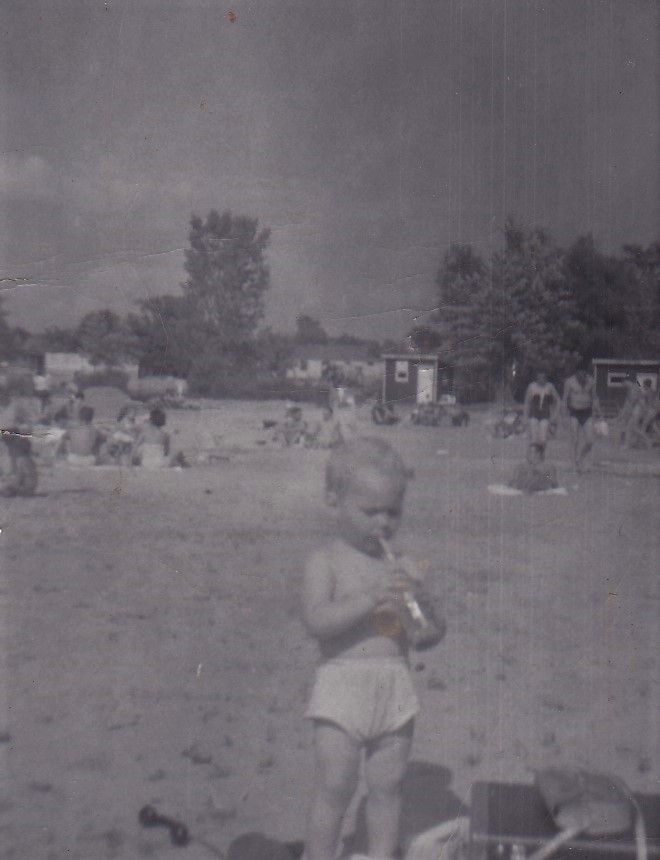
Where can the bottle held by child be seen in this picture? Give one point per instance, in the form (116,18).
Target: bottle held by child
(415,611)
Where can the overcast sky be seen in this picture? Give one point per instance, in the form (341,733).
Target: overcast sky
(367,134)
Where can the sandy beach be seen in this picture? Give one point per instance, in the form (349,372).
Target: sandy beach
(153,651)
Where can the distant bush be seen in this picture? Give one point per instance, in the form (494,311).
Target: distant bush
(473,385)
(153,386)
(294,390)
(111,378)
(18,383)
(251,386)
(370,389)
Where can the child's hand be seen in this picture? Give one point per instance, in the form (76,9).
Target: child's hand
(383,594)
(405,573)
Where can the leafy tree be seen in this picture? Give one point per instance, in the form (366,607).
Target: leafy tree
(642,306)
(166,334)
(6,339)
(58,339)
(227,280)
(425,339)
(208,334)
(462,282)
(389,345)
(374,347)
(309,330)
(227,275)
(20,337)
(598,284)
(516,312)
(105,338)
(273,351)
(532,317)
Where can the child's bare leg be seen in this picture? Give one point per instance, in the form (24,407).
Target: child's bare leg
(385,766)
(337,770)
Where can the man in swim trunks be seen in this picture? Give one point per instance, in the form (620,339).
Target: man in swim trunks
(541,406)
(581,404)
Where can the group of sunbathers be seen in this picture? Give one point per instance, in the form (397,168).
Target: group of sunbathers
(69,434)
(328,432)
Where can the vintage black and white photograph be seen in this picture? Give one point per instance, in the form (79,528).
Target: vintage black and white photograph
(330,429)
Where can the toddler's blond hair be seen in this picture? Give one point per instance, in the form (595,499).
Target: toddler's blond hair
(367,452)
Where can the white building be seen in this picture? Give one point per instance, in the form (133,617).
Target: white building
(315,361)
(63,366)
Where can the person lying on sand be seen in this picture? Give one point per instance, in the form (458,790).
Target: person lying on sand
(363,700)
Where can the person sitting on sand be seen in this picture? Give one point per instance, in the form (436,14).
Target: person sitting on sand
(535,475)
(84,440)
(76,403)
(22,477)
(153,443)
(581,404)
(124,439)
(651,408)
(363,700)
(293,429)
(51,437)
(632,414)
(42,386)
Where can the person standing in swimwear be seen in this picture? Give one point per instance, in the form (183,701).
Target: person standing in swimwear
(363,704)
(632,414)
(541,405)
(581,405)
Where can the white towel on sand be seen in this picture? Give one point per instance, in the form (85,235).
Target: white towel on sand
(506,490)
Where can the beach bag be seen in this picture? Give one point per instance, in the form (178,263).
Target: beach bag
(597,803)
(447,841)
(257,846)
(593,804)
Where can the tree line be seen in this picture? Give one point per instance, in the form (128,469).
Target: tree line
(210,333)
(532,304)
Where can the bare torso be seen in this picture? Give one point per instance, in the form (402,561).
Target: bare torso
(82,440)
(352,572)
(579,396)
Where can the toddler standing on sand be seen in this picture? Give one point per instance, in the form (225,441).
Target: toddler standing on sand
(363,698)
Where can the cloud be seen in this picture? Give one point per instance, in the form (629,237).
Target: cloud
(26,176)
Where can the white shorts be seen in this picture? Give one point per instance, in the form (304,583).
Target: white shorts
(366,697)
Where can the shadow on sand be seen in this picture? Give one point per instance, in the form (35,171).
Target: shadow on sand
(427,801)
